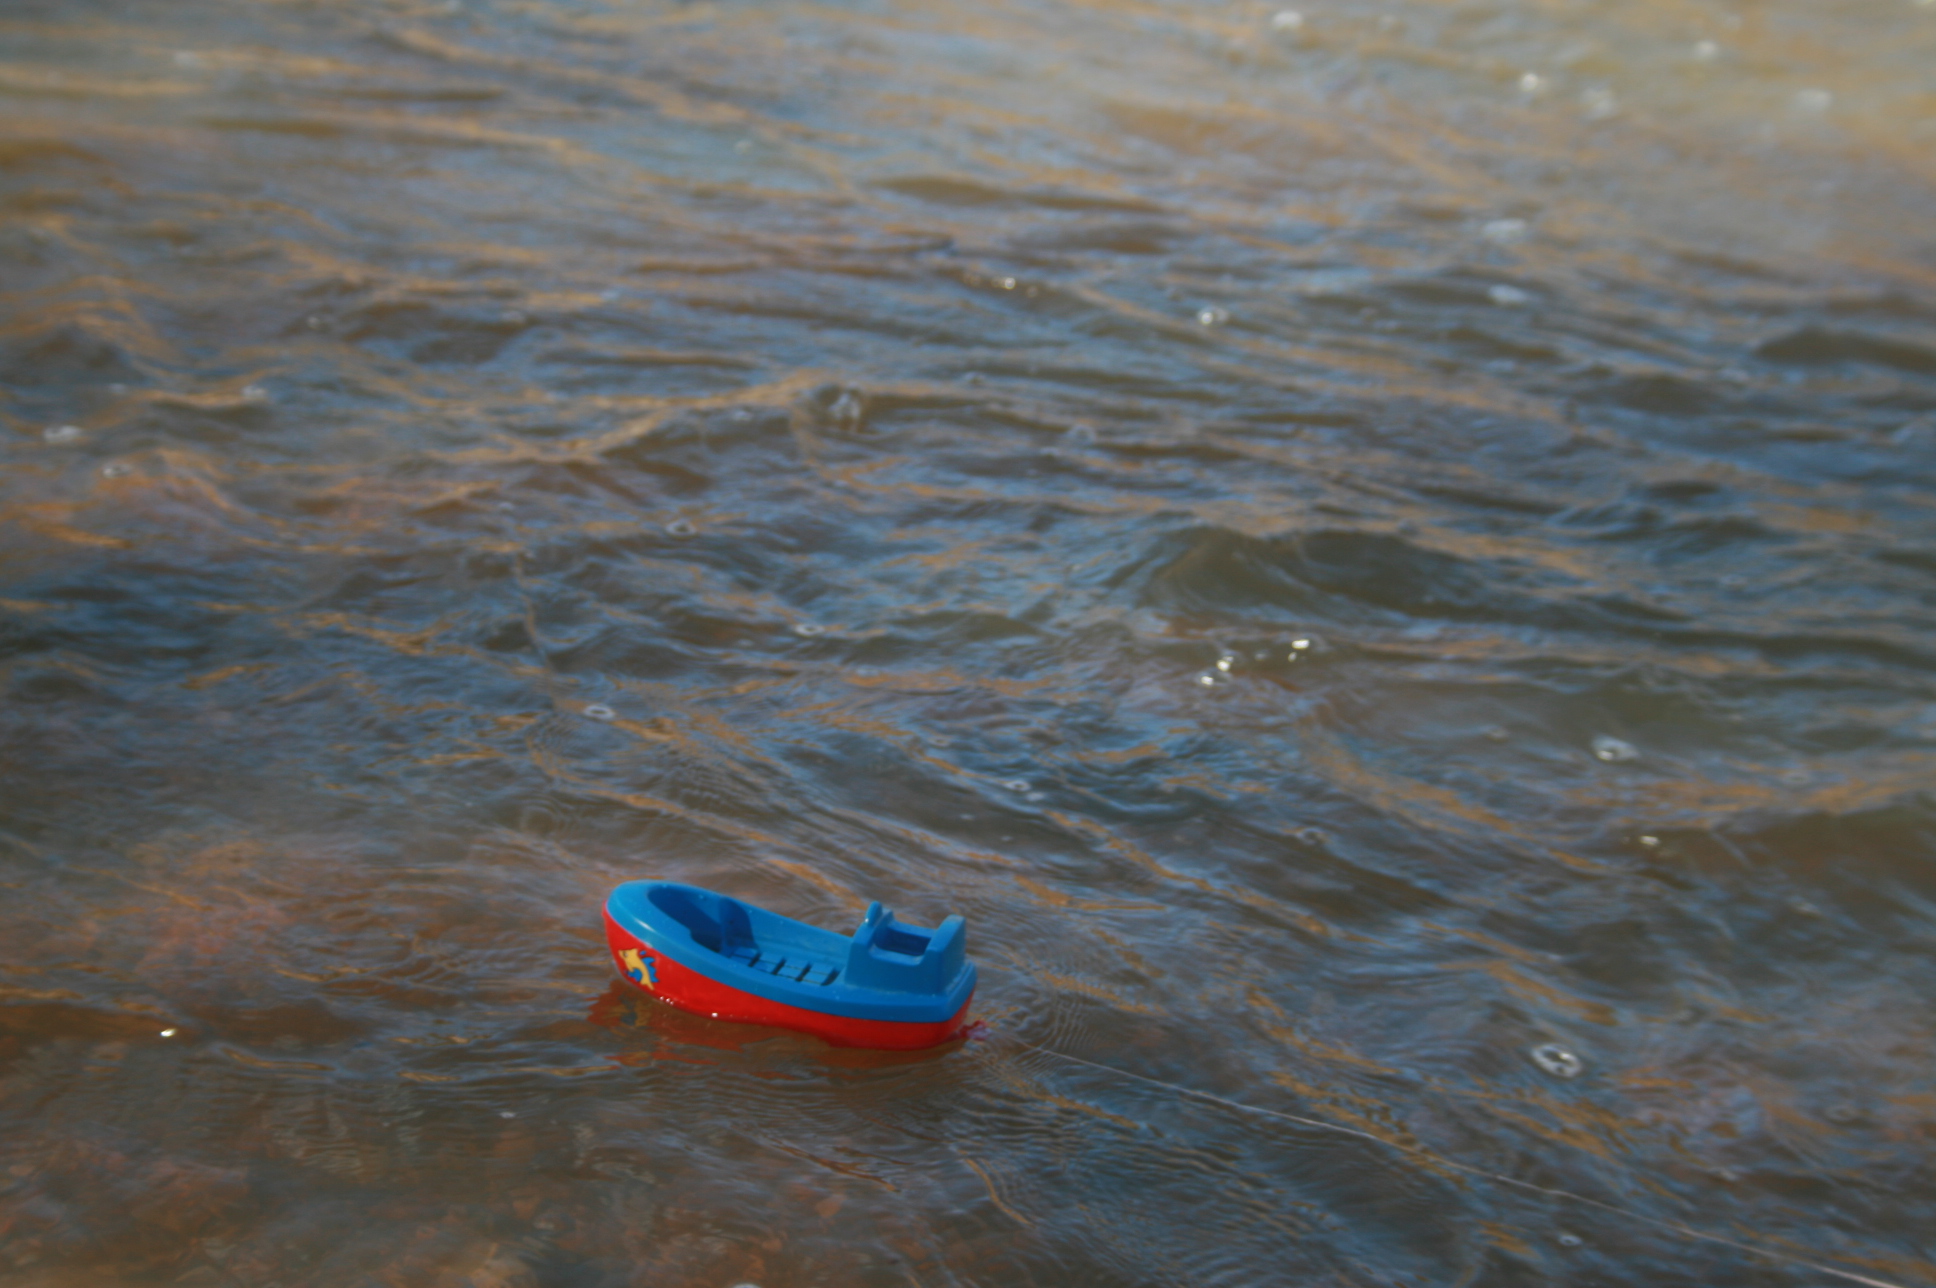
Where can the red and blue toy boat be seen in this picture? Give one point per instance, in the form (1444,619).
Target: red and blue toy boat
(887,986)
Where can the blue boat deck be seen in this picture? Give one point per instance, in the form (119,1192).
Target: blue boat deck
(797,967)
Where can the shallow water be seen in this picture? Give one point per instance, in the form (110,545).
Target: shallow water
(1382,557)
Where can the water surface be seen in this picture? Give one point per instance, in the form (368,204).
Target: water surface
(1354,546)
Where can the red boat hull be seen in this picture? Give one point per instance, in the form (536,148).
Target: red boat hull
(687,989)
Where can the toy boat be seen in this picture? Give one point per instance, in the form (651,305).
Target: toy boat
(888,985)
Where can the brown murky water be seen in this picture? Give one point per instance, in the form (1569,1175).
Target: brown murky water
(1354,546)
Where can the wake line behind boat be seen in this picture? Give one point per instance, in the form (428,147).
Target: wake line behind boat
(888,985)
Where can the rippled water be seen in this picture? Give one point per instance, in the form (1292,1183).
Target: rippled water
(1382,556)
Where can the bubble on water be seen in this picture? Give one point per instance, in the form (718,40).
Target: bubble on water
(1651,842)
(255,393)
(1613,750)
(1706,51)
(1211,315)
(169,1033)
(1599,102)
(1016,784)
(1287,20)
(1227,661)
(847,408)
(599,711)
(1557,1060)
(62,433)
(1008,283)
(1507,295)
(1504,232)
(1814,100)
(808,628)
(113,471)
(1303,643)
(681,528)
(1569,1240)
(506,1113)
(1531,83)
(1209,679)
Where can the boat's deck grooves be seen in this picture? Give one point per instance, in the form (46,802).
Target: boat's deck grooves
(807,971)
